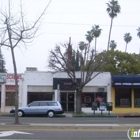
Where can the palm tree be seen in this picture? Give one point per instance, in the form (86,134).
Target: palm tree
(138,34)
(82,45)
(89,36)
(113,8)
(96,33)
(113,45)
(127,39)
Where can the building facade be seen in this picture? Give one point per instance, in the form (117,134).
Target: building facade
(36,85)
(125,94)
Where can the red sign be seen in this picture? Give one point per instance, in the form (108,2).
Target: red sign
(12,76)
(67,83)
(87,99)
(10,88)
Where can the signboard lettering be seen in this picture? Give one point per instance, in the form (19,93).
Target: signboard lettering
(10,88)
(12,76)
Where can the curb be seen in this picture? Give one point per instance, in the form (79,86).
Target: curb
(95,116)
(90,116)
(128,116)
(91,127)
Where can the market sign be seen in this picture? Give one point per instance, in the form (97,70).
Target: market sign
(130,81)
(3,78)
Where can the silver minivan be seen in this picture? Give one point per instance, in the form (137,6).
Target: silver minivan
(49,108)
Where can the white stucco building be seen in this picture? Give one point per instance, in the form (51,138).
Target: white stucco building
(37,85)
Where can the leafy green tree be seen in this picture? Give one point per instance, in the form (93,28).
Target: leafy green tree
(127,39)
(112,45)
(118,62)
(113,8)
(96,31)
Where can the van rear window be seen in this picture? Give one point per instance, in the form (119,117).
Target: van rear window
(52,103)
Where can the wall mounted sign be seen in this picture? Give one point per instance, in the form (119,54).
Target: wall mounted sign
(64,83)
(3,78)
(11,78)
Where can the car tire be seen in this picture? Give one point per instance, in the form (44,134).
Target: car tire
(20,113)
(50,114)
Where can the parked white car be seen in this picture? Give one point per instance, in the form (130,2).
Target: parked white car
(49,108)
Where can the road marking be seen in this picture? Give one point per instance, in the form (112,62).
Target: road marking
(9,133)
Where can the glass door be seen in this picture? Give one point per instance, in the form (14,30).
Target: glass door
(67,101)
(70,101)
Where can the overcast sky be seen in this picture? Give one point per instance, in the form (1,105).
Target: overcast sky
(73,18)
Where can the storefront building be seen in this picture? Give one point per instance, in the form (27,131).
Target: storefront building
(36,85)
(125,93)
(97,90)
(7,92)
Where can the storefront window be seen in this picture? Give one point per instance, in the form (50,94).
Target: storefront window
(137,97)
(88,98)
(122,97)
(10,99)
(39,96)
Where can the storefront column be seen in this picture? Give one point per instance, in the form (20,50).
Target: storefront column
(132,98)
(3,98)
(75,101)
(109,92)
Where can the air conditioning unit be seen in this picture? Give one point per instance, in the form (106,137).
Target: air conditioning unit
(101,89)
(31,69)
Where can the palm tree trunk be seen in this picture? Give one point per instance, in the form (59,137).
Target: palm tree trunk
(109,34)
(95,44)
(126,47)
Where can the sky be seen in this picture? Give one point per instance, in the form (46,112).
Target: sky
(71,18)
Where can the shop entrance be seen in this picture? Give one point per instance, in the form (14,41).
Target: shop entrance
(67,101)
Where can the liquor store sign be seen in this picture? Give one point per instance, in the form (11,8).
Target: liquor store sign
(11,78)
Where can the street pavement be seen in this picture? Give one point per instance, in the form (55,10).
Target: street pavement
(112,126)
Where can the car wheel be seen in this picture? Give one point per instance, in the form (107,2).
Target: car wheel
(20,113)
(50,114)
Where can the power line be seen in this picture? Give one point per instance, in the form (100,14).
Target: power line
(85,24)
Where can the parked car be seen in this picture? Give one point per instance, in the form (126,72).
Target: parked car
(49,108)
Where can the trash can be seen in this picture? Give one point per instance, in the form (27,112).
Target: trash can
(109,107)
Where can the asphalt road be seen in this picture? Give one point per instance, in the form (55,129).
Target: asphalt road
(65,135)
(70,120)
(27,131)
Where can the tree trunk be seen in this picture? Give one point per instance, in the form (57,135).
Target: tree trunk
(125,47)
(109,33)
(78,101)
(95,44)
(16,87)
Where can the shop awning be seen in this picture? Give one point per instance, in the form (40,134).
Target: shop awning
(130,81)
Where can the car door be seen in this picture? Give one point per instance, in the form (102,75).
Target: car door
(32,108)
(43,108)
